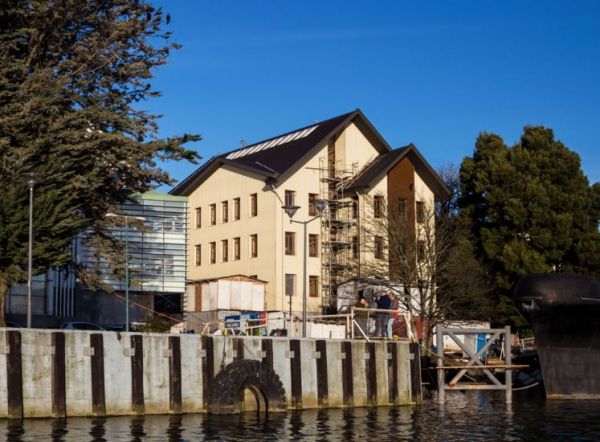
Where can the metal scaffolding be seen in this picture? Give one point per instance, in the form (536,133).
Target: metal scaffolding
(336,228)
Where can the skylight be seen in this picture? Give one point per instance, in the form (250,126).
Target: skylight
(272,143)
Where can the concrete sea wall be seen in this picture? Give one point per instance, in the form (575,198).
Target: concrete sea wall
(46,373)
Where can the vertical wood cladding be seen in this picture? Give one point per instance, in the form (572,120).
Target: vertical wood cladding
(59,386)
(208,367)
(401,186)
(296,373)
(97,364)
(175,374)
(415,372)
(347,385)
(137,374)
(393,372)
(322,381)
(267,349)
(14,375)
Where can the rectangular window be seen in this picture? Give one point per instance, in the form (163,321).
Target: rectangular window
(225,211)
(312,208)
(290,284)
(379,247)
(402,207)
(354,208)
(313,245)
(213,252)
(253,246)
(355,247)
(420,250)
(290,243)
(198,255)
(236,208)
(254,204)
(236,249)
(420,212)
(290,198)
(213,214)
(198,217)
(313,286)
(378,206)
(225,250)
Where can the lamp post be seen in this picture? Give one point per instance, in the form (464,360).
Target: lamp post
(126,218)
(291,210)
(32,179)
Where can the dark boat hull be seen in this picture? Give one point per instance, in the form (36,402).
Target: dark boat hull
(564,311)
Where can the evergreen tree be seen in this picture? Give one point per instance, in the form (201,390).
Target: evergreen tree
(73,76)
(529,208)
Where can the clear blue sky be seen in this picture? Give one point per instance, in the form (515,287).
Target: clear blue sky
(433,73)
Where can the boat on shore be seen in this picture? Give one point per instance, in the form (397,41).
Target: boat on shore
(564,312)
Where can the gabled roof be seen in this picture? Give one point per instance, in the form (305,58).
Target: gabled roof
(276,156)
(386,162)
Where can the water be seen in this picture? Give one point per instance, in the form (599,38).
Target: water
(471,416)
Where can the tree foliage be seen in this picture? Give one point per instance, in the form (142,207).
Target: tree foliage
(529,208)
(73,77)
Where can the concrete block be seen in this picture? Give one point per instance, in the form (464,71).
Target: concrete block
(117,373)
(253,348)
(404,394)
(156,373)
(281,365)
(381,353)
(359,373)
(191,373)
(334,374)
(309,374)
(78,370)
(36,361)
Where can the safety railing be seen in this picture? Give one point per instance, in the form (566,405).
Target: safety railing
(359,323)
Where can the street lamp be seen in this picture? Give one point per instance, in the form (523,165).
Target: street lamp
(31,179)
(126,218)
(291,210)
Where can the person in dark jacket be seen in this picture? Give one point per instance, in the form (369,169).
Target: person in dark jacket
(383,303)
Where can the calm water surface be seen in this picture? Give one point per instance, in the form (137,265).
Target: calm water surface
(471,416)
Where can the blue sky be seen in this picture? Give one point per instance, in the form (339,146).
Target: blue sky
(433,73)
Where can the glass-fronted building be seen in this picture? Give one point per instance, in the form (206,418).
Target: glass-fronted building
(155,229)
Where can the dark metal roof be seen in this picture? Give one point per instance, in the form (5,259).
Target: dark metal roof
(386,161)
(280,158)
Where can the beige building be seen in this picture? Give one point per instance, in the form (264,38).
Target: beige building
(237,226)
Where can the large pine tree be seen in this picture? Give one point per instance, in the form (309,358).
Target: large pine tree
(529,207)
(73,76)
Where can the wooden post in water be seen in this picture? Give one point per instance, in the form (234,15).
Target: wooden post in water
(441,374)
(508,362)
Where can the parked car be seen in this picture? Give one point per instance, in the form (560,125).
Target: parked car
(81,326)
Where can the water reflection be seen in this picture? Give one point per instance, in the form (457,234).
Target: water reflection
(470,416)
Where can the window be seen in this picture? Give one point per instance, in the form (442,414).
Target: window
(420,250)
(290,198)
(253,246)
(378,206)
(313,286)
(236,249)
(402,207)
(290,284)
(379,247)
(198,255)
(225,250)
(355,247)
(354,208)
(420,212)
(224,211)
(198,217)
(313,245)
(254,204)
(290,243)
(213,214)
(213,252)
(236,208)
(312,208)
